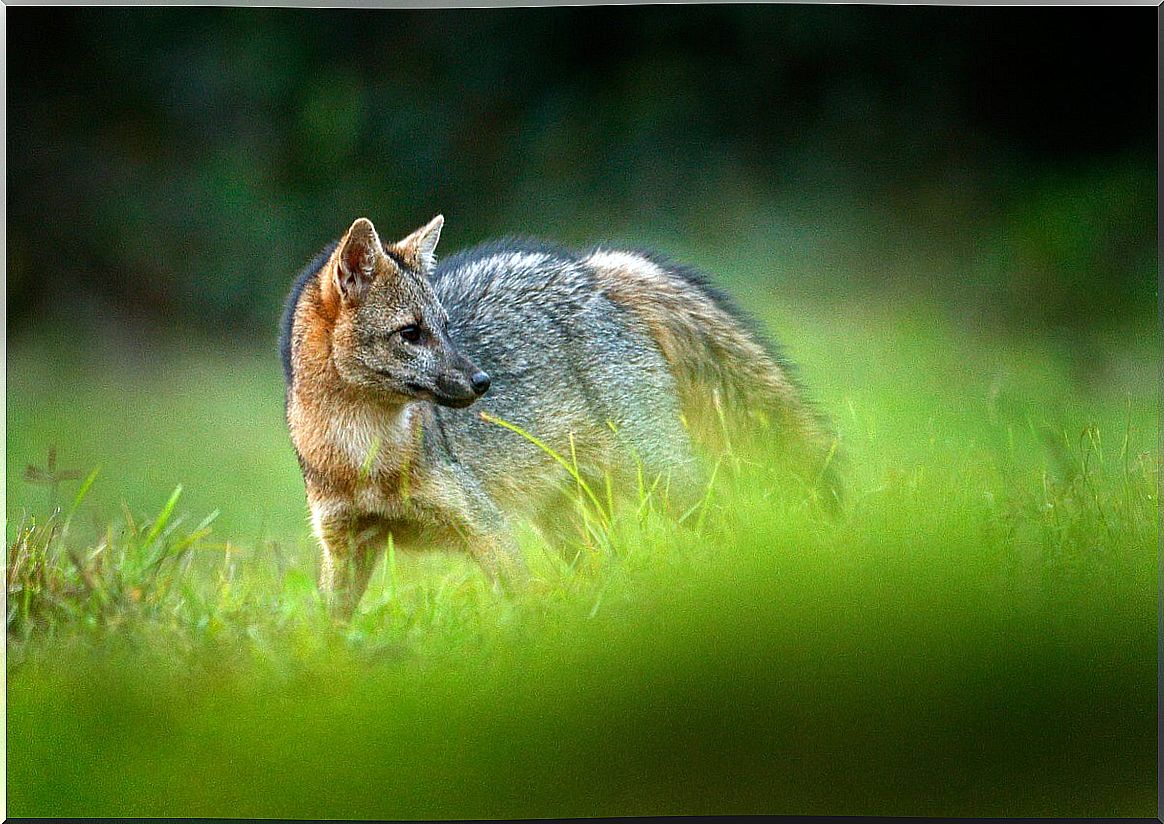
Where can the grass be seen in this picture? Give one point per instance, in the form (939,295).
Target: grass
(976,636)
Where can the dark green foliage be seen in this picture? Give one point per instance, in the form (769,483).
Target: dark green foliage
(181,164)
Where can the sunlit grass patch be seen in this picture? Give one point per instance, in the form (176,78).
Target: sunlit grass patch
(973,634)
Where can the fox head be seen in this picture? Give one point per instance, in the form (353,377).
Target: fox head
(390,336)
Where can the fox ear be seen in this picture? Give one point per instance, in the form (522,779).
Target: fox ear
(420,246)
(357,259)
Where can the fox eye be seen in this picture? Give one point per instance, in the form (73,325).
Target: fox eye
(411,333)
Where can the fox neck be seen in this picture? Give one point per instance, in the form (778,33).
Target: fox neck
(375,440)
(349,434)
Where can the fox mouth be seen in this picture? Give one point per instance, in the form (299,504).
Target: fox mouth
(455,403)
(452,401)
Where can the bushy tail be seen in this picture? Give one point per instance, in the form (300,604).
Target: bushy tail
(736,392)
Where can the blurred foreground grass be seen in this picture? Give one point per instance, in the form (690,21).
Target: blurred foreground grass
(976,637)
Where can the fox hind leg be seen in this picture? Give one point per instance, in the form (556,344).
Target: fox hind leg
(500,559)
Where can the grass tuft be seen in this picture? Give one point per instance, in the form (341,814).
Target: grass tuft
(975,635)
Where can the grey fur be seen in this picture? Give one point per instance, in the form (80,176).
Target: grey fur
(574,357)
(564,360)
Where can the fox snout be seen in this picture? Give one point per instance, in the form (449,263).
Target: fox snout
(461,388)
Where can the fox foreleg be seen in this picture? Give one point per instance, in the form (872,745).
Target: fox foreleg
(350,545)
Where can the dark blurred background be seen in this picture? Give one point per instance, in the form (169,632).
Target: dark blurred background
(172,168)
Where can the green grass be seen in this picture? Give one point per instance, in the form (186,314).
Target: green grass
(976,636)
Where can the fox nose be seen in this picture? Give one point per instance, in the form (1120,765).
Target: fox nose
(480,382)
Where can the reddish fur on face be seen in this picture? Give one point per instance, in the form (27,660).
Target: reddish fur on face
(320,399)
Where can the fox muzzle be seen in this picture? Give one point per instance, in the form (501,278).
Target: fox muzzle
(461,389)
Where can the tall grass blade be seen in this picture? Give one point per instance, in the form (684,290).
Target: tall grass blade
(544,447)
(82,492)
(163,517)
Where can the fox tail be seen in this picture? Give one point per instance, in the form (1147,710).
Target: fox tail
(736,390)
